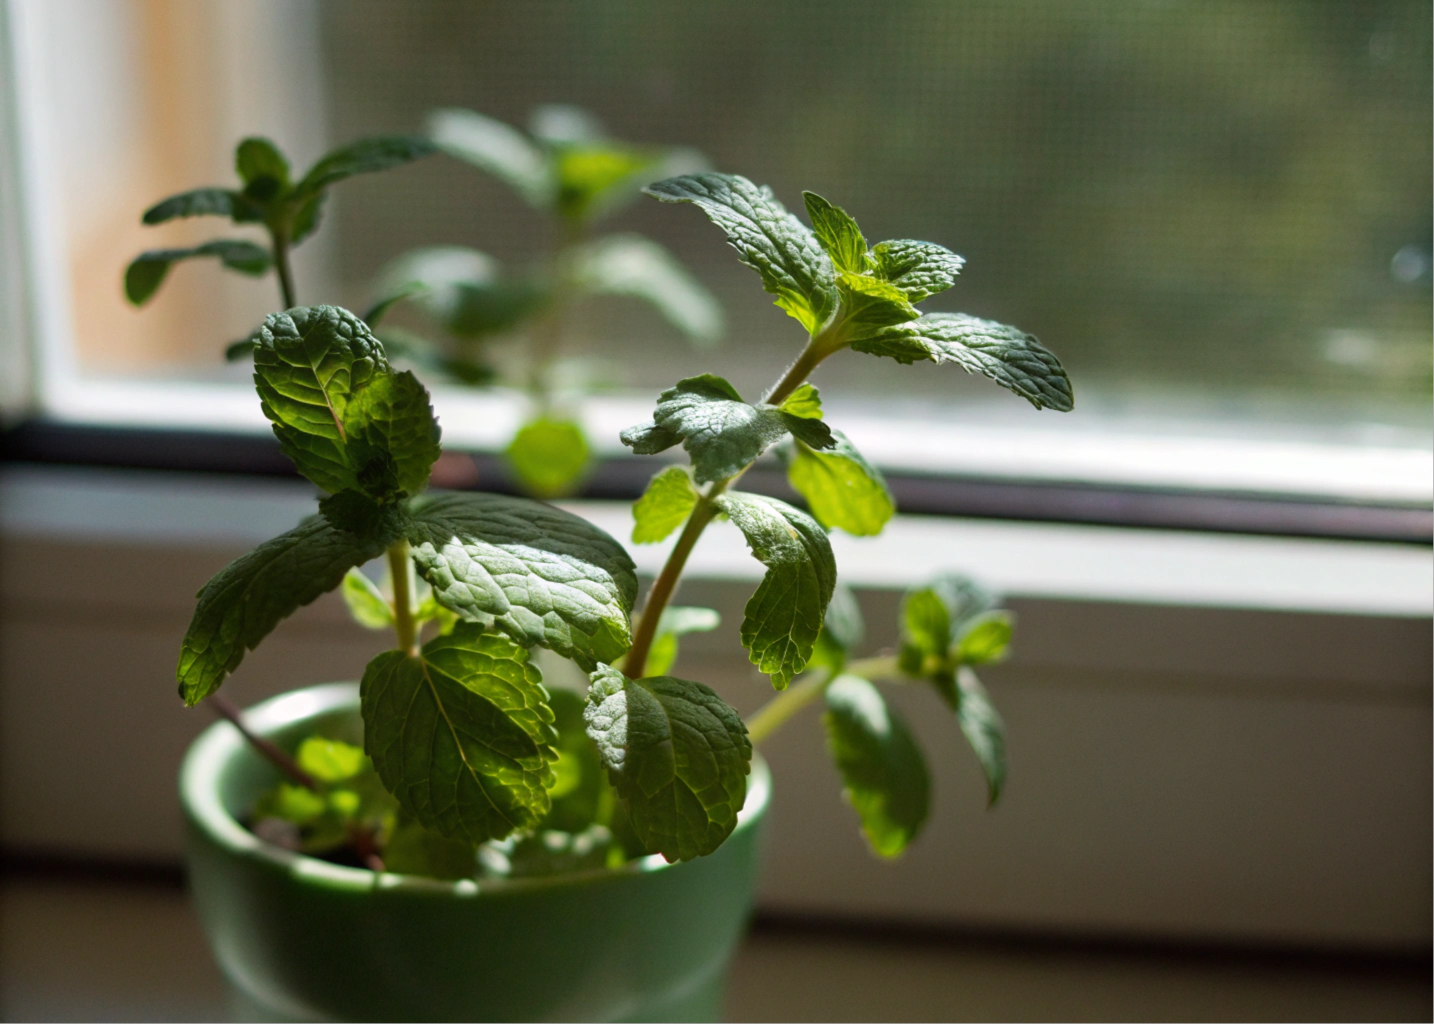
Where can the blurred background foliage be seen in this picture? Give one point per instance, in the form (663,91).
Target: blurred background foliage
(1221,204)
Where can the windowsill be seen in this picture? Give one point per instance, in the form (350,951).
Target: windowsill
(1044,560)
(1046,451)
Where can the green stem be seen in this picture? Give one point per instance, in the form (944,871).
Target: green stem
(874,668)
(784,705)
(281,266)
(400,571)
(635,664)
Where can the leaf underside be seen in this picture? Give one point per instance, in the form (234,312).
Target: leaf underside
(784,615)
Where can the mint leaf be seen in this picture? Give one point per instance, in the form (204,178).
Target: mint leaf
(307,364)
(664,506)
(838,234)
(461,734)
(251,595)
(414,850)
(545,577)
(985,639)
(262,168)
(676,621)
(363,157)
(919,269)
(148,270)
(842,489)
(497,148)
(804,402)
(784,616)
(767,238)
(981,725)
(885,775)
(549,456)
(307,217)
(720,432)
(330,761)
(204,202)
(365,601)
(925,631)
(842,631)
(594,178)
(581,787)
(358,514)
(563,124)
(1007,355)
(392,437)
(870,302)
(633,265)
(676,754)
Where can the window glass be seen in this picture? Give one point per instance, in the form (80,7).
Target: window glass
(1217,214)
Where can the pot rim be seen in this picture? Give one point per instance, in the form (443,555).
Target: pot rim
(217,745)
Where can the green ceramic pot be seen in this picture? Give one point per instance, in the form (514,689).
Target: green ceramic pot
(303,939)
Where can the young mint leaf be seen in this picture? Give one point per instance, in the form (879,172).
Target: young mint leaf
(871,302)
(414,850)
(805,402)
(204,202)
(919,269)
(544,576)
(562,124)
(884,774)
(676,754)
(392,436)
(358,514)
(365,601)
(497,148)
(963,597)
(147,271)
(720,432)
(363,157)
(985,639)
(581,788)
(925,630)
(287,802)
(307,364)
(842,630)
(262,168)
(980,723)
(664,506)
(784,616)
(250,596)
(307,217)
(677,621)
(635,266)
(241,349)
(330,761)
(594,178)
(842,489)
(838,234)
(549,456)
(767,238)
(1007,355)
(461,734)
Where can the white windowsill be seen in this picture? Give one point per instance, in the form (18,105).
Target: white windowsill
(1044,560)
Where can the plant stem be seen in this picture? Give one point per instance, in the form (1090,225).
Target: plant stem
(635,664)
(786,704)
(874,668)
(400,571)
(281,760)
(281,266)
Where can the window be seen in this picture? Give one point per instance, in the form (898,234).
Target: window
(1218,215)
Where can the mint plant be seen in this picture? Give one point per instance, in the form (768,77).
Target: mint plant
(469,764)
(288,210)
(846,295)
(573,175)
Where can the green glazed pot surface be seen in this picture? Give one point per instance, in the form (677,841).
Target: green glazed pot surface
(304,939)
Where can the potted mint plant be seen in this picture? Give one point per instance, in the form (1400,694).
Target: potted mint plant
(484,324)
(451,839)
